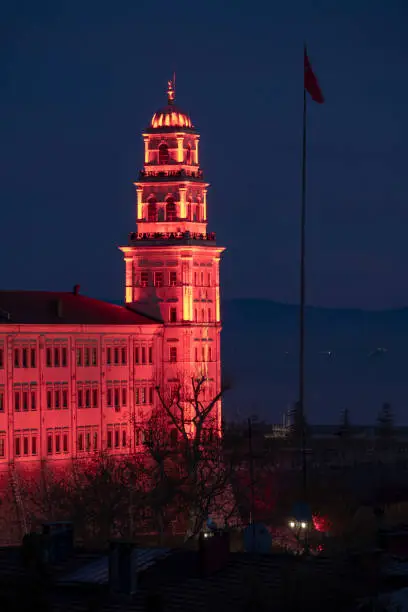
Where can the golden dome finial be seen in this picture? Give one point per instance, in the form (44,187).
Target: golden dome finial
(171,90)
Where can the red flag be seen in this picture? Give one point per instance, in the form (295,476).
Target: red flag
(311,84)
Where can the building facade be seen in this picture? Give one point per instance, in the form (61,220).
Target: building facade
(78,375)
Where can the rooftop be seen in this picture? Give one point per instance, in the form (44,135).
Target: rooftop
(64,308)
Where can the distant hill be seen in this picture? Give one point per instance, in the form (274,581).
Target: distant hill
(260,358)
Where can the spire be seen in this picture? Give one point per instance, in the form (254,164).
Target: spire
(171,90)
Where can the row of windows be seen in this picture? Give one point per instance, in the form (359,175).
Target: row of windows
(168,212)
(158,279)
(57,356)
(204,355)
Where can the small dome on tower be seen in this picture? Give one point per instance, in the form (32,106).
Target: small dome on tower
(170,115)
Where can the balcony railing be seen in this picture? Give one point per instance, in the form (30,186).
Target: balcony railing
(172,174)
(171,236)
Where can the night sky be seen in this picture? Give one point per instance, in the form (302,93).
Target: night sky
(81,79)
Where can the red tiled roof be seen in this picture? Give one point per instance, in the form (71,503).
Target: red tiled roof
(59,308)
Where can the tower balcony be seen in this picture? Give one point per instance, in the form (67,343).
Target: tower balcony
(186,174)
(172,238)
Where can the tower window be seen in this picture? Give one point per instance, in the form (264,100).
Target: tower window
(158,279)
(152,211)
(171,211)
(163,154)
(173,315)
(188,155)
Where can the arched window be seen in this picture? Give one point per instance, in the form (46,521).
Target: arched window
(163,154)
(151,210)
(171,210)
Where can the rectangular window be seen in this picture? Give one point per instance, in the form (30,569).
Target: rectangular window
(57,397)
(16,358)
(65,443)
(117,438)
(25,445)
(17,446)
(124,396)
(108,356)
(87,398)
(49,444)
(124,440)
(56,357)
(25,401)
(79,356)
(173,354)
(95,440)
(48,358)
(80,441)
(65,398)
(144,279)
(196,353)
(158,279)
(173,315)
(34,445)
(143,395)
(64,357)
(143,354)
(116,356)
(80,398)
(1,358)
(124,355)
(49,399)
(173,279)
(57,443)
(33,358)
(17,401)
(33,399)
(116,396)
(151,393)
(109,439)
(87,357)
(150,354)
(24,357)
(2,446)
(94,356)
(88,441)
(209,354)
(109,397)
(137,395)
(209,315)
(1,400)
(95,398)
(137,355)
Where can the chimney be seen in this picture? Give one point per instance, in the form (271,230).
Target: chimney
(59,309)
(214,548)
(123,568)
(76,289)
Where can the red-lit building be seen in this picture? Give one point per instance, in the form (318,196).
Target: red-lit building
(78,375)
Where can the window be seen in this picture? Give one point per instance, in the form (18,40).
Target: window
(16,358)
(57,441)
(144,279)
(17,448)
(151,393)
(2,444)
(209,354)
(143,354)
(173,354)
(1,358)
(87,439)
(152,210)
(17,401)
(24,358)
(195,315)
(116,356)
(209,315)
(171,210)
(116,436)
(173,315)
(57,396)
(87,395)
(1,400)
(196,353)
(33,357)
(56,355)
(163,154)
(143,395)
(150,354)
(87,355)
(158,279)
(173,279)
(25,400)
(188,154)
(34,445)
(124,355)
(116,396)
(49,444)
(108,356)
(209,279)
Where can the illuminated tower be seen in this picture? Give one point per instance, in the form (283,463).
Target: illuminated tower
(172,262)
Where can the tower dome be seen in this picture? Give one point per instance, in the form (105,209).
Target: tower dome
(171,115)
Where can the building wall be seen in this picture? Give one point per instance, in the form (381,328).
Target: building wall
(66,391)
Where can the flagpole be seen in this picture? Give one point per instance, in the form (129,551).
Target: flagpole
(302,289)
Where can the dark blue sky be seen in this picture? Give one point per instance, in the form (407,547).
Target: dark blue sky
(81,79)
